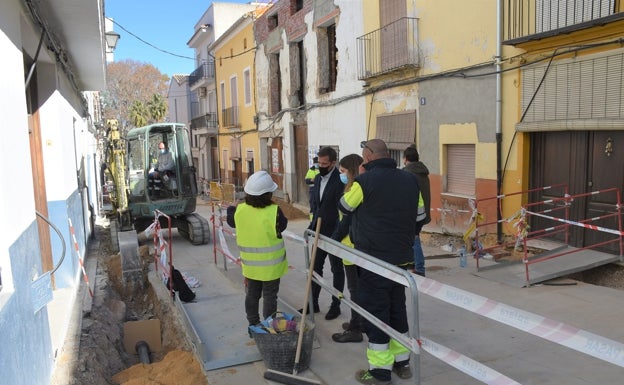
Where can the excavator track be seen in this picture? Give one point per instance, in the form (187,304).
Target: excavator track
(195,228)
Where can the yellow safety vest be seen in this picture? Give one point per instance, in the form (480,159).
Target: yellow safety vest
(421,214)
(262,253)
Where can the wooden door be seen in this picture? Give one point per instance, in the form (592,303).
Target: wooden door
(301,163)
(578,159)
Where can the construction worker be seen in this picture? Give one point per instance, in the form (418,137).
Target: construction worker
(163,168)
(309,180)
(383,202)
(259,224)
(412,162)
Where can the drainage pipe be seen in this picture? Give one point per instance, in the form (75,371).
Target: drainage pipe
(143,350)
(499,102)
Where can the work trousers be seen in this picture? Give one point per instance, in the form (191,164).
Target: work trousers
(337,269)
(385,299)
(268,291)
(351,273)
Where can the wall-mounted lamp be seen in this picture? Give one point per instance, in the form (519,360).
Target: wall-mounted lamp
(609,147)
(111,40)
(204,27)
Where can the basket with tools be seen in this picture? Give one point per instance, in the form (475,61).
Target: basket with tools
(276,338)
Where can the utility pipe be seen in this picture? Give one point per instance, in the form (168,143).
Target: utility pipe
(499,102)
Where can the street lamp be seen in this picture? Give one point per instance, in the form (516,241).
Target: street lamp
(111,40)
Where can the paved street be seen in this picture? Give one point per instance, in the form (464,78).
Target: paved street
(512,352)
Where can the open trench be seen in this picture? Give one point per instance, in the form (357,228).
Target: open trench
(102,358)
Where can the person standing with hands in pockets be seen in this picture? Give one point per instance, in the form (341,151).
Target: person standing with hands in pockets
(259,225)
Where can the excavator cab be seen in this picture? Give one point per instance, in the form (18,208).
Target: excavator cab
(132,164)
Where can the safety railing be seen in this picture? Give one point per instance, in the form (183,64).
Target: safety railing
(566,223)
(218,230)
(479,222)
(163,251)
(415,341)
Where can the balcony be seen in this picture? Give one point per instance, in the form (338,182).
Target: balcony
(208,121)
(204,71)
(229,117)
(393,47)
(527,20)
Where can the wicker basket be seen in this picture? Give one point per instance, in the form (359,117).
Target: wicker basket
(278,350)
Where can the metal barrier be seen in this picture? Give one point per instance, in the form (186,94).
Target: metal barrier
(217,233)
(465,364)
(566,223)
(478,221)
(163,252)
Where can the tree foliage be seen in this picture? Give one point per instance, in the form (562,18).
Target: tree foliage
(134,88)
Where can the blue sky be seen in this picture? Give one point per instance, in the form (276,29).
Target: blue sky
(165,24)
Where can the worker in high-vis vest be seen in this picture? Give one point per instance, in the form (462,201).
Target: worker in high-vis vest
(383,203)
(259,223)
(312,172)
(412,162)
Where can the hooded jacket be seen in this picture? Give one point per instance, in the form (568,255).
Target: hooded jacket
(422,174)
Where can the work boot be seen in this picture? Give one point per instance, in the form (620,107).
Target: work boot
(348,336)
(317,309)
(365,377)
(402,370)
(334,312)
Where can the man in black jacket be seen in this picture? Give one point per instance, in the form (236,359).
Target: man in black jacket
(418,168)
(383,202)
(326,193)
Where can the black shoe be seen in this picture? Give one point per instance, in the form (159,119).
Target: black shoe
(317,309)
(333,313)
(403,372)
(348,336)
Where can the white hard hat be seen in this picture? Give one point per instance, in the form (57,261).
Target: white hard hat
(259,183)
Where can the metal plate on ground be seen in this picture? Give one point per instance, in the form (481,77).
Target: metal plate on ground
(221,326)
(514,274)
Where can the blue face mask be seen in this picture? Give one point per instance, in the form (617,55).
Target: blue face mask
(344,178)
(316,165)
(163,150)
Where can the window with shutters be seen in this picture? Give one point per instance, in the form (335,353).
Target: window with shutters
(575,89)
(460,169)
(398,129)
(247,85)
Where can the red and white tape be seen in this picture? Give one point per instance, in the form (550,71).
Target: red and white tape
(84,273)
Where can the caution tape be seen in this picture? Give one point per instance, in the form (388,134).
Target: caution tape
(593,227)
(558,332)
(84,273)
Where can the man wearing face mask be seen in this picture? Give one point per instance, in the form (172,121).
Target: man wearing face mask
(326,194)
(164,167)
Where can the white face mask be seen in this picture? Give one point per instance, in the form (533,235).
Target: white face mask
(163,150)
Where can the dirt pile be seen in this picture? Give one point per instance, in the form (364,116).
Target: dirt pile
(178,367)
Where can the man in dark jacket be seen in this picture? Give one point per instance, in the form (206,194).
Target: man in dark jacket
(383,202)
(418,168)
(326,193)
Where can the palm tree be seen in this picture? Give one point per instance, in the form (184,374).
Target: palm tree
(138,114)
(157,108)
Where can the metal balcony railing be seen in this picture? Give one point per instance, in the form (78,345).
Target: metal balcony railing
(392,47)
(205,70)
(205,121)
(229,117)
(533,19)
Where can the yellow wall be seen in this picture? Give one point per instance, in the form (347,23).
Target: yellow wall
(233,56)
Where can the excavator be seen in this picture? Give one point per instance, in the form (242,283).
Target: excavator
(126,171)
